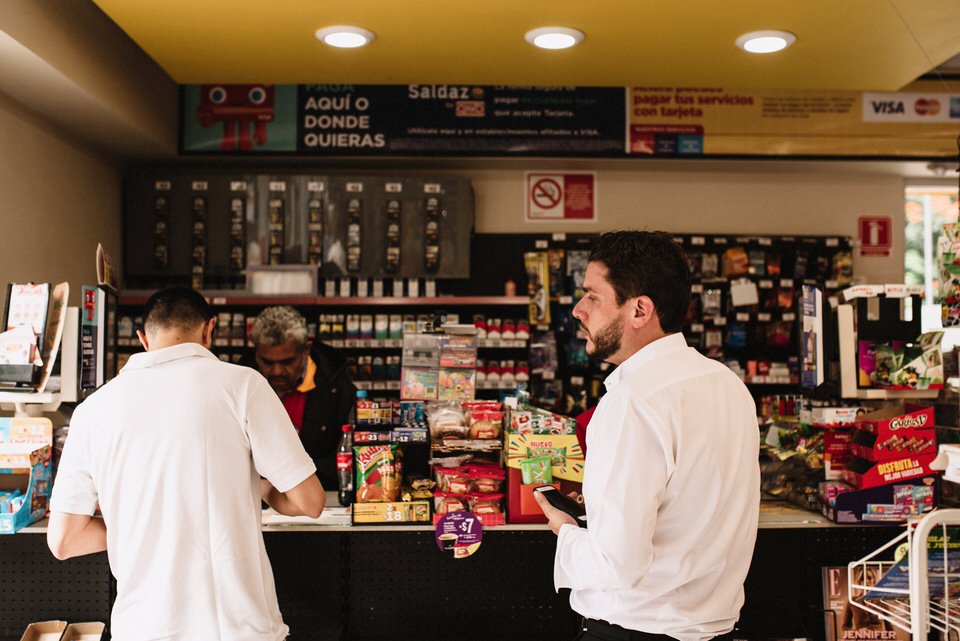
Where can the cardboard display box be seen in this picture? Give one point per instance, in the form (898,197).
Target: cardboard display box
(396,513)
(92,631)
(25,465)
(864,474)
(892,503)
(61,631)
(44,631)
(566,469)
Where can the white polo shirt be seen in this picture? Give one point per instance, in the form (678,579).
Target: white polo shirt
(672,491)
(173,449)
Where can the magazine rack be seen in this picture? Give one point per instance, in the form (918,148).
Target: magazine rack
(912,609)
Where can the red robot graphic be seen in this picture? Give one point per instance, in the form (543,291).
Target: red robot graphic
(237,107)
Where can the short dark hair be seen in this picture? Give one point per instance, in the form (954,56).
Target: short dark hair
(644,263)
(178,307)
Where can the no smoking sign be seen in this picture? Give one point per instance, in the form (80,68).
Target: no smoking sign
(561,197)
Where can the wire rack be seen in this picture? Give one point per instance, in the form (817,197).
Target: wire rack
(911,608)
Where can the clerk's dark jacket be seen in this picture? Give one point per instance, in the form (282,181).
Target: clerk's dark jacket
(327,407)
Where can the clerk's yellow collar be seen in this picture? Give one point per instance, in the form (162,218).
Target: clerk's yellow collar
(309,381)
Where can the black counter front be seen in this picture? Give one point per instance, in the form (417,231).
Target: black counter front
(372,583)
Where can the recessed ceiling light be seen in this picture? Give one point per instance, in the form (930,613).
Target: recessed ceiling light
(554,37)
(345,36)
(765,41)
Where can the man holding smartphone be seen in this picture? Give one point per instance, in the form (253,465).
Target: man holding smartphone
(672,480)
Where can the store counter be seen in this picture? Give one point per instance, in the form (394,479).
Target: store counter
(336,581)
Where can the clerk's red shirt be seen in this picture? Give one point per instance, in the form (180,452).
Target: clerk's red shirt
(296,401)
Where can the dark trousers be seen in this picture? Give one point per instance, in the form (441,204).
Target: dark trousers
(597,630)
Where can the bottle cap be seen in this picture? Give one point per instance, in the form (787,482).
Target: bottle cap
(347,427)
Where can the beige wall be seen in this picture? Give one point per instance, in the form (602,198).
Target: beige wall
(736,197)
(57,201)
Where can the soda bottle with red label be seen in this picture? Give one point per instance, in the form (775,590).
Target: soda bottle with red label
(345,466)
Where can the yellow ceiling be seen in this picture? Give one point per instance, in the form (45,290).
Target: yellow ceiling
(876,45)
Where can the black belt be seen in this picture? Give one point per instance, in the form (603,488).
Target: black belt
(614,631)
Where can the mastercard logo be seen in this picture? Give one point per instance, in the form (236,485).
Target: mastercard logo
(925,107)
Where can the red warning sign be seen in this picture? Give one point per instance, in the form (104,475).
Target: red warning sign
(561,197)
(875,235)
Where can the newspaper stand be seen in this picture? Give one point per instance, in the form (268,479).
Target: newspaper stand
(912,609)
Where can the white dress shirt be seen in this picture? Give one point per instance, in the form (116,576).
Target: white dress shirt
(173,449)
(672,491)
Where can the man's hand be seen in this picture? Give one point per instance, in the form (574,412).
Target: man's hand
(555,518)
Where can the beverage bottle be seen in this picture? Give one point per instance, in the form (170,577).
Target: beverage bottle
(345,466)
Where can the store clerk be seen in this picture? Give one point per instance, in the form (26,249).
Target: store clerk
(311,380)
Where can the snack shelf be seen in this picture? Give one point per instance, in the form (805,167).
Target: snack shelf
(912,609)
(240,297)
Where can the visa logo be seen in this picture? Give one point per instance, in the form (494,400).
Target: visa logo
(887,106)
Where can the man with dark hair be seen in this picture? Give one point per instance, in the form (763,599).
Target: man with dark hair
(672,480)
(311,380)
(173,450)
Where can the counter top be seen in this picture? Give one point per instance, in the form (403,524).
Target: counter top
(773,515)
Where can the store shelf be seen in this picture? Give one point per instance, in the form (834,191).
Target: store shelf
(228,298)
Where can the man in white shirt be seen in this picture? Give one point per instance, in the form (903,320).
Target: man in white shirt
(672,481)
(173,451)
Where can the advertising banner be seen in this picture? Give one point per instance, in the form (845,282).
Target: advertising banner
(922,121)
(384,120)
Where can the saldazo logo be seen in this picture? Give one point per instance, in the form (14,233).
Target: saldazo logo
(887,107)
(907,422)
(925,107)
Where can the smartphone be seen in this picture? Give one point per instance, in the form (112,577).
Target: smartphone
(564,503)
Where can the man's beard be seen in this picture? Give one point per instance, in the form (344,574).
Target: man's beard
(606,342)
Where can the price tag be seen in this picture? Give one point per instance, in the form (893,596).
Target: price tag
(763,317)
(698,240)
(765,284)
(697,328)
(355,187)
(432,188)
(696,288)
(765,242)
(786,282)
(541,244)
(720,321)
(559,236)
(831,284)
(566,300)
(316,187)
(789,316)
(576,380)
(277,185)
(719,240)
(549,375)
(743,317)
(832,242)
(163,185)
(393,188)
(238,185)
(218,300)
(199,185)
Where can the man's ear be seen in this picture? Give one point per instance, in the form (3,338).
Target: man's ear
(207,336)
(643,312)
(143,340)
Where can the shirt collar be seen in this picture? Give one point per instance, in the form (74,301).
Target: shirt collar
(652,351)
(309,381)
(144,360)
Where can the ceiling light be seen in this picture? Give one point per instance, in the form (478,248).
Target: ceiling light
(554,37)
(345,36)
(765,41)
